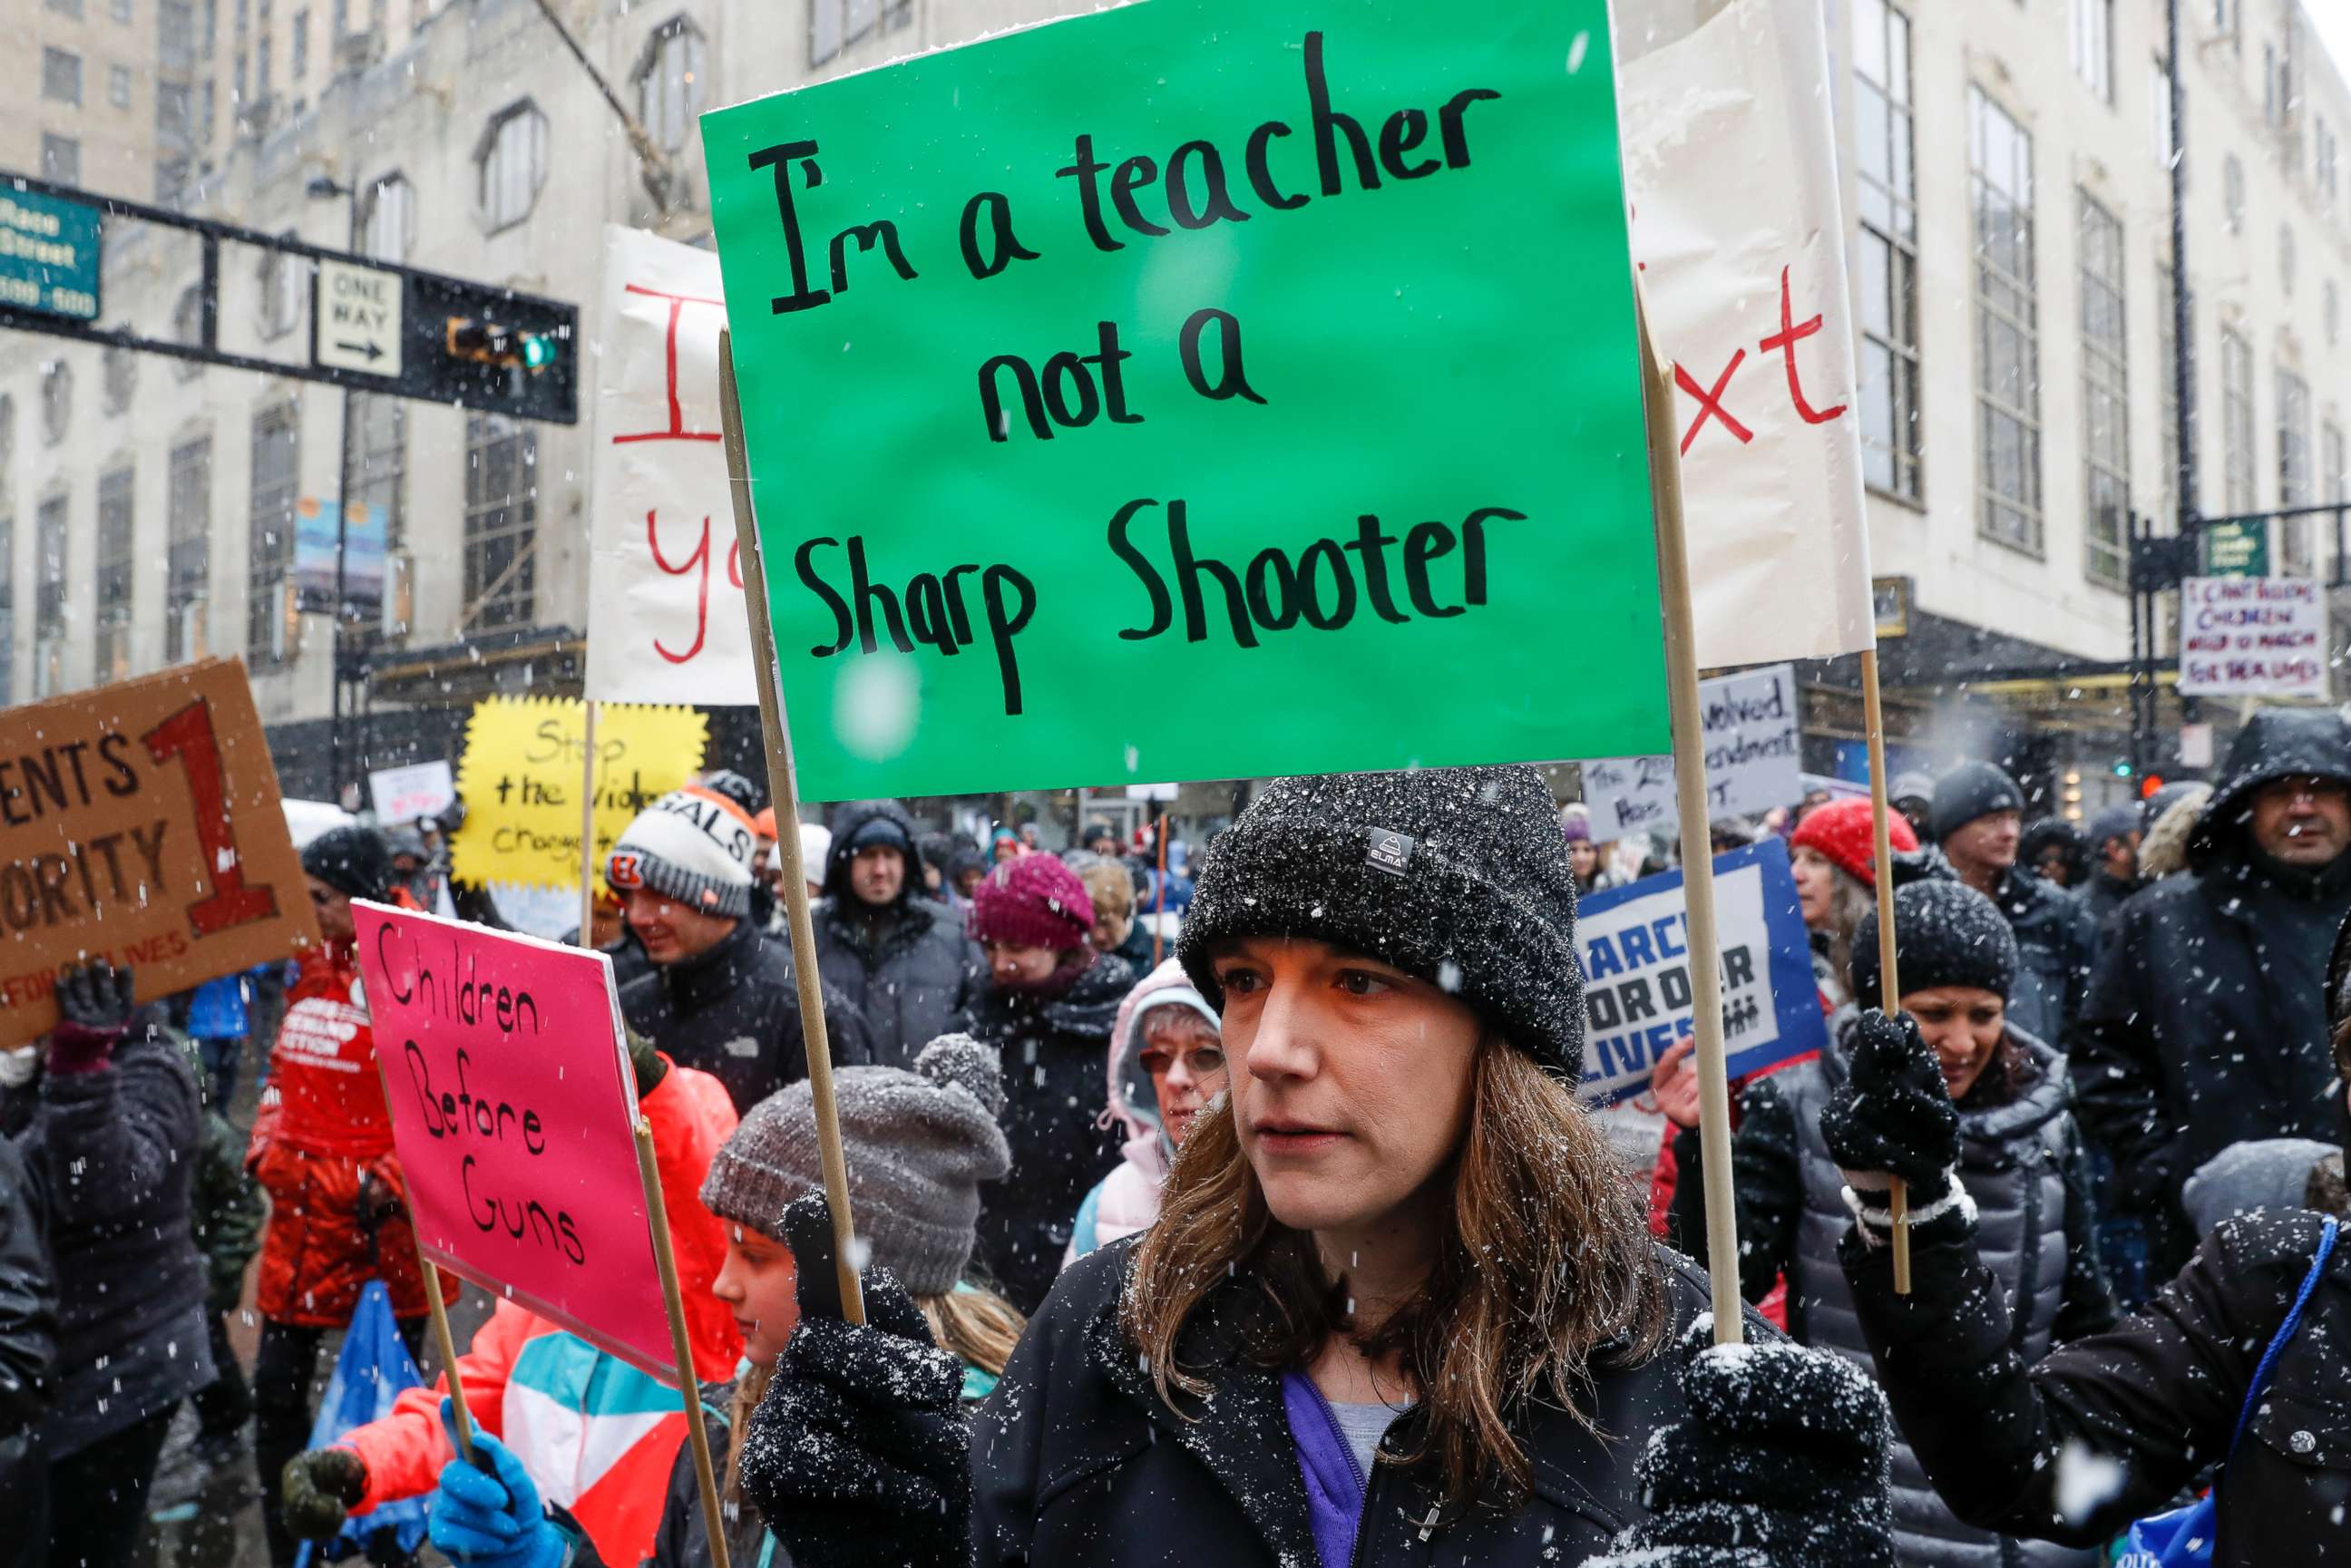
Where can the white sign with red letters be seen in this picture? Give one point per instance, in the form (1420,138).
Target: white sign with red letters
(665,583)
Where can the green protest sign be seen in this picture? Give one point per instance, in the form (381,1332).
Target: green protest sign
(1198,390)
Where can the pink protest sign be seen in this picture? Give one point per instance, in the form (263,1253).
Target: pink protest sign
(514,1113)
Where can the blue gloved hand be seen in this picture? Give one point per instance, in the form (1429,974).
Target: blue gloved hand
(493,1520)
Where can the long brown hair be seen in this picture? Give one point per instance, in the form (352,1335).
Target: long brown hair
(1546,1262)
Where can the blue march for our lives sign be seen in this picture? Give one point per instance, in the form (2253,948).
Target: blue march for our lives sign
(1634,944)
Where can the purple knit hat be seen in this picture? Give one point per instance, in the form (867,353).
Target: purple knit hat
(1032,902)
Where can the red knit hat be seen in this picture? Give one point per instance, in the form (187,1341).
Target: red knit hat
(1032,902)
(1842,830)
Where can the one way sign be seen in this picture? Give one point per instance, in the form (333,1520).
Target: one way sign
(357,320)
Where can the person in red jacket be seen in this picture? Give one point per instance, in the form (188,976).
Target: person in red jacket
(322,1148)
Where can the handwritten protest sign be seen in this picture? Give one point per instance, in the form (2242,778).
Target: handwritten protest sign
(1730,165)
(513,1111)
(139,824)
(520,779)
(1635,943)
(665,583)
(1753,759)
(1283,352)
(405,794)
(2242,636)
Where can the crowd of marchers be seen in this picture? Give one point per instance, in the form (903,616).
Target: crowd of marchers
(1252,1216)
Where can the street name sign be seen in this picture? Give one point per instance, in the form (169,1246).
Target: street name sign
(48,254)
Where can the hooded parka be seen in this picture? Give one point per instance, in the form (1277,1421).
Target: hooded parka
(1127,1200)
(2205,1024)
(909,967)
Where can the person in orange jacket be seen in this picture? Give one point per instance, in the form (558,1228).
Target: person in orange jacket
(597,1436)
(321,1149)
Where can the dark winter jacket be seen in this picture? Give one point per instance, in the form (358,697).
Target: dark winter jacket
(2205,1024)
(2024,1164)
(2159,1393)
(2100,898)
(734,1012)
(112,1153)
(909,969)
(1053,1047)
(29,1301)
(1076,1461)
(225,1212)
(2055,943)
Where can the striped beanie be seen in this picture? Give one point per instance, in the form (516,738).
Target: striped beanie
(694,845)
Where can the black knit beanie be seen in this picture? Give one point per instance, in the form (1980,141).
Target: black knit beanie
(1456,874)
(354,861)
(1971,790)
(1944,934)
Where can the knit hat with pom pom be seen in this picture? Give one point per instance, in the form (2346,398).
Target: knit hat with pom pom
(917,1145)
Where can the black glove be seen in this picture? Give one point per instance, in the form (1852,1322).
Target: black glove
(643,1057)
(378,1202)
(1892,1114)
(319,1490)
(1779,1461)
(855,1458)
(94,1008)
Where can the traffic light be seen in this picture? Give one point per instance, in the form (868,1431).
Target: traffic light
(2149,786)
(2123,770)
(499,343)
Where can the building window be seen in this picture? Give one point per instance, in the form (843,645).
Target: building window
(2273,101)
(120,10)
(2332,313)
(118,377)
(2167,352)
(379,472)
(175,34)
(835,25)
(511,161)
(171,181)
(2325,161)
(284,279)
(2008,331)
(2105,396)
(49,597)
(1891,431)
(7,609)
(2160,100)
(187,568)
(2093,47)
(261,68)
(56,401)
(188,327)
(117,86)
(174,119)
(60,159)
(276,449)
(501,522)
(115,570)
(670,80)
(236,80)
(2293,471)
(204,111)
(65,7)
(388,218)
(2232,193)
(298,58)
(61,77)
(2237,493)
(8,447)
(2332,457)
(2285,258)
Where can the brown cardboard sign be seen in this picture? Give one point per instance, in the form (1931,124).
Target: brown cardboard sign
(141,824)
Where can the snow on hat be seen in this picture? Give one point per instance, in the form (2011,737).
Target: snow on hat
(354,861)
(1971,790)
(694,845)
(917,1145)
(1912,786)
(1032,902)
(1944,934)
(1456,874)
(1843,830)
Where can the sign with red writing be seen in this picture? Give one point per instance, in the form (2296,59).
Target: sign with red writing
(139,824)
(2253,636)
(665,585)
(1730,168)
(514,1112)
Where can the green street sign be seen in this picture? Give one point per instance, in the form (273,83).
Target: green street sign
(2237,547)
(48,254)
(1198,391)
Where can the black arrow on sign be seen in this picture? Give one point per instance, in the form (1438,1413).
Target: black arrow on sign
(371,350)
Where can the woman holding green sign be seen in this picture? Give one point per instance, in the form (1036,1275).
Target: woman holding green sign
(1400,1304)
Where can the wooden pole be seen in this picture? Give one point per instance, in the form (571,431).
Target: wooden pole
(1873,709)
(588,827)
(1698,858)
(1159,903)
(443,1340)
(783,788)
(714,1517)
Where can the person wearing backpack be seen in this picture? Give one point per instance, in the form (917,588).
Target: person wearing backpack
(2241,1359)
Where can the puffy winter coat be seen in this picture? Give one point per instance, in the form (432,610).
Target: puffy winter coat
(2055,944)
(320,1134)
(2024,1164)
(2205,1024)
(597,1435)
(1075,1460)
(111,1153)
(1053,1047)
(2100,898)
(28,1300)
(734,1013)
(2159,1393)
(909,972)
(1127,1200)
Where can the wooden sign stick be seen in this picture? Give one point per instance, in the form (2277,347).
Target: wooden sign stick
(1697,854)
(1889,988)
(706,1477)
(587,826)
(783,788)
